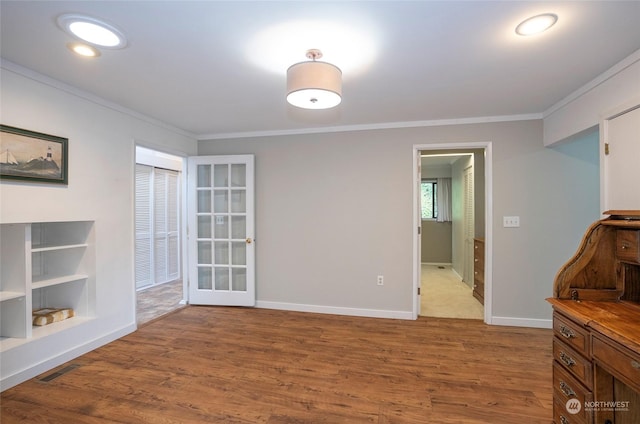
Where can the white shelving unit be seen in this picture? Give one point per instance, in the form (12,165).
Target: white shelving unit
(44,265)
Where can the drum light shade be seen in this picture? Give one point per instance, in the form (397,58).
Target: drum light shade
(313,84)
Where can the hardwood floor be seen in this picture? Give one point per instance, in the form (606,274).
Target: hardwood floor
(239,366)
(157,301)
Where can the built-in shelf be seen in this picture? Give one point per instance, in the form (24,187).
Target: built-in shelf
(58,280)
(7,295)
(55,327)
(44,265)
(7,343)
(58,247)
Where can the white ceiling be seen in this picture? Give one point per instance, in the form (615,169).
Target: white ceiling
(200,65)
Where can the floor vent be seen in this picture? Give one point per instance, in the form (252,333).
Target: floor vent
(58,373)
(440,267)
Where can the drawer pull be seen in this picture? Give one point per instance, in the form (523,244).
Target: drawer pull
(568,391)
(568,360)
(635,364)
(563,420)
(567,332)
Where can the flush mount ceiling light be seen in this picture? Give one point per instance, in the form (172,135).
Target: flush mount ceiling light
(536,24)
(92,31)
(313,84)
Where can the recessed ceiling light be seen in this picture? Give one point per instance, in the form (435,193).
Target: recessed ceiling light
(83,49)
(536,24)
(92,31)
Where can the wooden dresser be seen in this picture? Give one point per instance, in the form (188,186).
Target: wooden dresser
(478,269)
(596,323)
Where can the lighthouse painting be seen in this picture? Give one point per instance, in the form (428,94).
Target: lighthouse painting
(30,156)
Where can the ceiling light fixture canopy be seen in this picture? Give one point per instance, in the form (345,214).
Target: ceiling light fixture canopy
(536,24)
(92,30)
(314,84)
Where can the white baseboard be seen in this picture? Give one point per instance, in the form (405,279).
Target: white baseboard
(21,376)
(333,310)
(522,322)
(379,313)
(437,263)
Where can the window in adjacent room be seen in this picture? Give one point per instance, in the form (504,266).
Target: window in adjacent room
(428,199)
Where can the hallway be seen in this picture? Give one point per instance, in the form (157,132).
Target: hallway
(444,295)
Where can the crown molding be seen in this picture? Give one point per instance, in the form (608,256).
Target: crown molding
(600,79)
(369,127)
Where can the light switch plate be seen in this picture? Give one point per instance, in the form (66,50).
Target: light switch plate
(510,221)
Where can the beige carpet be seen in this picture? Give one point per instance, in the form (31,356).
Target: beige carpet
(444,295)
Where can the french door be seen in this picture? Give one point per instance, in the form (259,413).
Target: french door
(221,245)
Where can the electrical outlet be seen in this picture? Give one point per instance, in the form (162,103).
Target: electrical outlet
(380,280)
(510,221)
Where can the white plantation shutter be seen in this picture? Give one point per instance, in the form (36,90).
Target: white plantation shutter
(157,213)
(144,276)
(160,225)
(173,225)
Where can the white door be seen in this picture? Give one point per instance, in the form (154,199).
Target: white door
(221,244)
(418,229)
(621,162)
(469,230)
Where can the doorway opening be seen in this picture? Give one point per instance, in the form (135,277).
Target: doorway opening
(158,229)
(452,212)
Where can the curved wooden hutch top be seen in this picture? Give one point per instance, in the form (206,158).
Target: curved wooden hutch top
(605,267)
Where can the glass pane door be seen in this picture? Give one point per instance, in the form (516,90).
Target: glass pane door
(223,219)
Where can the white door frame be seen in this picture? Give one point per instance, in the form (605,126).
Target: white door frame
(488,221)
(183,207)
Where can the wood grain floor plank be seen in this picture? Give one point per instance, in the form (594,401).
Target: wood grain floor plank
(240,366)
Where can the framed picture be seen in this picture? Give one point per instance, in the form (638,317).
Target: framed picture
(31,156)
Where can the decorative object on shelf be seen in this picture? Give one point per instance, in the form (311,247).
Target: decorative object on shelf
(50,315)
(31,156)
(313,84)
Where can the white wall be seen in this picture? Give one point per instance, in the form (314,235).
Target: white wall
(101,188)
(335,210)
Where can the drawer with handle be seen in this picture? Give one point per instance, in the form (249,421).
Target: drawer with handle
(628,245)
(572,361)
(562,415)
(572,333)
(565,388)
